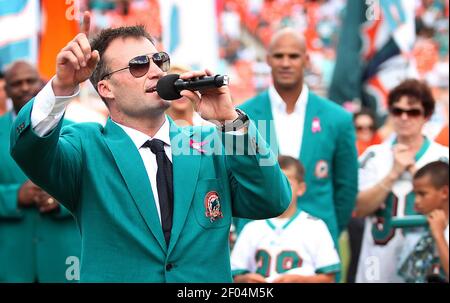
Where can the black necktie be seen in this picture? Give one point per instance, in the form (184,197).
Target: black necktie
(164,183)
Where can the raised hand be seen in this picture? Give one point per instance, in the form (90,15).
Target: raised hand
(76,62)
(403,158)
(437,222)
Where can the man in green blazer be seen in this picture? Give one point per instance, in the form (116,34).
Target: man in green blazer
(298,123)
(37,235)
(154,201)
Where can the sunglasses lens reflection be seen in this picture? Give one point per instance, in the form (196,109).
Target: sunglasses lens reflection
(139,66)
(162,60)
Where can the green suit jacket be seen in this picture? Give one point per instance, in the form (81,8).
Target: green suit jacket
(99,174)
(33,246)
(328,154)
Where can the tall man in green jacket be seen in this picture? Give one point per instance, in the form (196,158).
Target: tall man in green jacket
(39,240)
(154,201)
(298,123)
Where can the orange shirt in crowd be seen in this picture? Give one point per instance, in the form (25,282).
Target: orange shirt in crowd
(442,137)
(361,146)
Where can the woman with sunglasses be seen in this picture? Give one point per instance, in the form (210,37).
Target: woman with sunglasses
(154,202)
(385,181)
(366,135)
(366,131)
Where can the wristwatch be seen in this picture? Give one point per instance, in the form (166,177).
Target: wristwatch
(241,121)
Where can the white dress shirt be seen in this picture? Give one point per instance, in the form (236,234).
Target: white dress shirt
(48,110)
(289,127)
(148,157)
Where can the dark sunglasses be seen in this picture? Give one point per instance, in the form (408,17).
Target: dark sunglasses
(412,113)
(139,65)
(364,127)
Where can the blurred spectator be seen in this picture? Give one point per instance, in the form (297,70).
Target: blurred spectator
(366,136)
(264,245)
(299,17)
(426,54)
(318,20)
(307,127)
(22,83)
(385,181)
(255,7)
(432,27)
(37,233)
(428,261)
(261,78)
(231,21)
(127,12)
(430,12)
(366,131)
(437,127)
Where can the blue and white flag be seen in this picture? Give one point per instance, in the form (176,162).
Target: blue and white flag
(19,27)
(189,31)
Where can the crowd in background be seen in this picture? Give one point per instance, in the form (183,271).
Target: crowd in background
(246,29)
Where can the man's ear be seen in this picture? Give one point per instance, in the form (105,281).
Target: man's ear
(104,90)
(268,59)
(301,189)
(7,89)
(444,192)
(308,64)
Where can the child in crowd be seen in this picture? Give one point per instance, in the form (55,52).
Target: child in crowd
(292,248)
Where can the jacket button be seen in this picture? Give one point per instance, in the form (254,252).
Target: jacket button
(169,267)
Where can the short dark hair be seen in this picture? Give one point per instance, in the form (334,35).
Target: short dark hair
(438,172)
(287,162)
(365,112)
(417,91)
(104,39)
(2,75)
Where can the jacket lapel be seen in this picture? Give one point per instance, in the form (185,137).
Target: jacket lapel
(133,171)
(263,112)
(186,168)
(309,143)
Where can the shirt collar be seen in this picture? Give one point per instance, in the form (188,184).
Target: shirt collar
(139,138)
(278,103)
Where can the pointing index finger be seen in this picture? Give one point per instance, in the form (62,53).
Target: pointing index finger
(86,23)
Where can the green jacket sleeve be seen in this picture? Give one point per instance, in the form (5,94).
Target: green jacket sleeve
(52,162)
(8,201)
(259,188)
(345,176)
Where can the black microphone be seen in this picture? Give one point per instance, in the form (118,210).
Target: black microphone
(170,86)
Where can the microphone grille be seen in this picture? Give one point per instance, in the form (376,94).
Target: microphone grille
(166,88)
